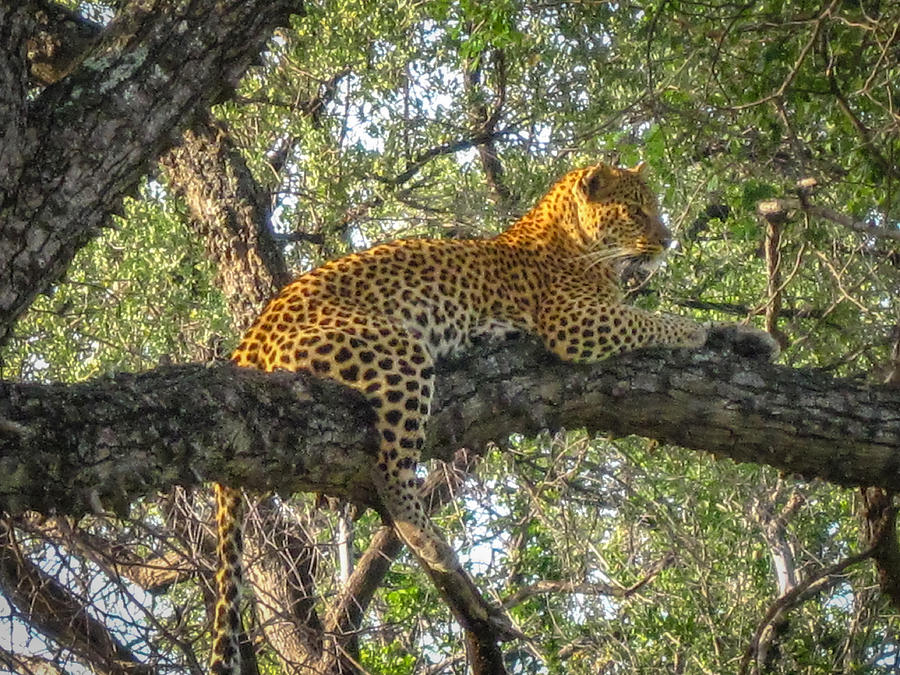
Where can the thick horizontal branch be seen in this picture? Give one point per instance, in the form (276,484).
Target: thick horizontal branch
(100,444)
(103,443)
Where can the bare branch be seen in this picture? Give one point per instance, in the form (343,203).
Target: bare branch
(28,665)
(781,208)
(815,583)
(152,573)
(547,586)
(818,24)
(63,618)
(443,149)
(281,562)
(865,135)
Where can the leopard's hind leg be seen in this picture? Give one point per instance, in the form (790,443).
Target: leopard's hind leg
(396,373)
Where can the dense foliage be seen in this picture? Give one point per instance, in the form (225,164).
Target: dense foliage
(371,121)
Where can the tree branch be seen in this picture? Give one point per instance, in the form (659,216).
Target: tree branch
(59,615)
(281,568)
(477,138)
(16,25)
(865,135)
(59,41)
(28,665)
(153,573)
(346,612)
(231,215)
(228,208)
(486,121)
(779,209)
(879,530)
(815,583)
(103,443)
(546,586)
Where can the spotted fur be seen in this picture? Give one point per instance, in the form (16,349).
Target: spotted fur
(378,320)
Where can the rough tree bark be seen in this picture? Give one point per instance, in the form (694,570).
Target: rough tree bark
(229,210)
(230,213)
(227,206)
(68,157)
(103,443)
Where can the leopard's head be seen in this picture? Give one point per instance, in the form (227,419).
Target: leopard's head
(617,216)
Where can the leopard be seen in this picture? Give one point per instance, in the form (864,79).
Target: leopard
(379,320)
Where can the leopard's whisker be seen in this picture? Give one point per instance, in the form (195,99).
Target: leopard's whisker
(605,256)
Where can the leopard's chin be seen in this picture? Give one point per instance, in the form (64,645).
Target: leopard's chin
(634,271)
(650,262)
(641,263)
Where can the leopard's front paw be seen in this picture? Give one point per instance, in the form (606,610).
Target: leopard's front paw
(744,340)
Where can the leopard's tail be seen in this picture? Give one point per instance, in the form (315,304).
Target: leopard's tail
(225,658)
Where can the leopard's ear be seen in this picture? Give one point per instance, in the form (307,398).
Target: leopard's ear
(639,168)
(596,182)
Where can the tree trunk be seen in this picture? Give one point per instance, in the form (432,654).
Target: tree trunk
(69,157)
(230,214)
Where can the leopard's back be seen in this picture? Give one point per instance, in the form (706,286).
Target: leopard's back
(443,294)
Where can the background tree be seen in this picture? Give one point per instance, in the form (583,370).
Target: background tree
(772,132)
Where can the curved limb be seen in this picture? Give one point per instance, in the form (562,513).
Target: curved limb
(403,405)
